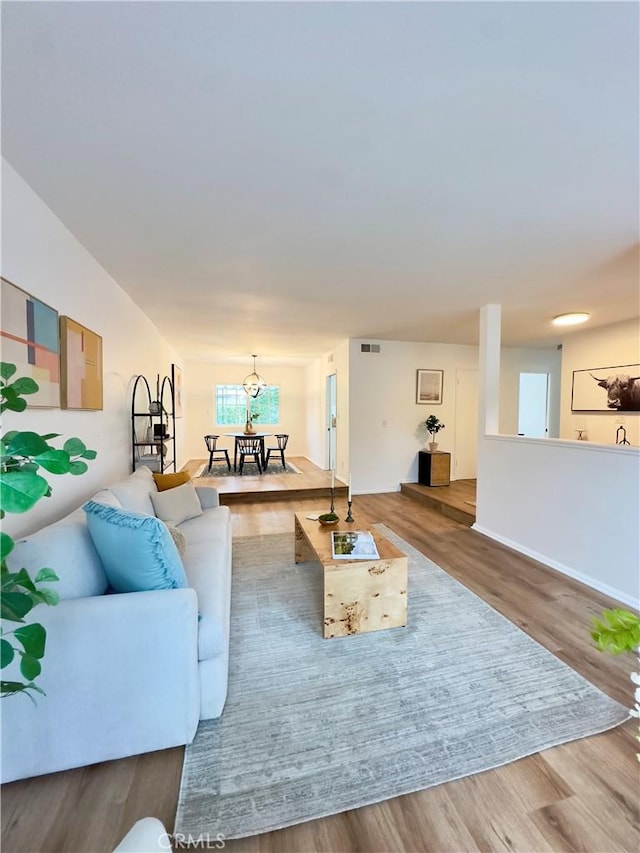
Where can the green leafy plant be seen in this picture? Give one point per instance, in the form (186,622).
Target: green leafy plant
(618,631)
(23,458)
(433,425)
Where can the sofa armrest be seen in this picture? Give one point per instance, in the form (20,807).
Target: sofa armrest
(120,673)
(208,496)
(147,835)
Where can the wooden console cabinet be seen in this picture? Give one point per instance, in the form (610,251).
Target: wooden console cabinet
(434,469)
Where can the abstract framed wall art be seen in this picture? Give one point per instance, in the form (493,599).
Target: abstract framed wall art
(429,387)
(176,381)
(606,389)
(30,340)
(81,366)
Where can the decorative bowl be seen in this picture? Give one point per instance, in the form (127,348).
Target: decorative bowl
(328,518)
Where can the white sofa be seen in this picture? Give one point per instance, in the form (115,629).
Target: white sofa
(123,673)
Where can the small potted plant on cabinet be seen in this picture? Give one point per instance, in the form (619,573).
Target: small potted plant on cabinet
(433,425)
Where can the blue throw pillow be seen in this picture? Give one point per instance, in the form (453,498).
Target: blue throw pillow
(136,550)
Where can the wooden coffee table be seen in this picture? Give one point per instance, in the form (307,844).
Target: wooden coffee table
(359,595)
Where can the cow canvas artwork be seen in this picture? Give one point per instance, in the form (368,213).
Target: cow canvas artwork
(606,389)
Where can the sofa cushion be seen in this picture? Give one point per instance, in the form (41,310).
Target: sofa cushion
(136,550)
(206,567)
(170,481)
(133,493)
(213,525)
(67,548)
(178,538)
(177,505)
(106,497)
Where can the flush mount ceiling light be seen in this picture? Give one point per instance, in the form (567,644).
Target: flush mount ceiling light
(571,319)
(254,384)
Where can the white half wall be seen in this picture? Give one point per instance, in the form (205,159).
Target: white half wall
(569,504)
(40,255)
(604,347)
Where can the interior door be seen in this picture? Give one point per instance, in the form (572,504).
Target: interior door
(332,414)
(533,405)
(466,425)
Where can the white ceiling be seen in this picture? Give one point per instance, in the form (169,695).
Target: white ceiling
(275,177)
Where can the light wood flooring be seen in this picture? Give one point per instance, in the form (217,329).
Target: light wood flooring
(311,482)
(581,796)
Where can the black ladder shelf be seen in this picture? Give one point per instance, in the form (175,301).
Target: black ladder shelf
(153,425)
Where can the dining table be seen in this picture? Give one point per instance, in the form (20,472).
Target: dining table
(259,435)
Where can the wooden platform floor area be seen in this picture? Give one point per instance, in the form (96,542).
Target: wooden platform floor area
(311,482)
(457,501)
(580,796)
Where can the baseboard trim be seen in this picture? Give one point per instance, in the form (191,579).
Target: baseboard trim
(612,592)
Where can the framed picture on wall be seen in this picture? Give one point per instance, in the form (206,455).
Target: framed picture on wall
(606,389)
(80,366)
(31,341)
(429,387)
(176,381)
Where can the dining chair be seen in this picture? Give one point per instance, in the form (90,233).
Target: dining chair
(222,453)
(282,439)
(249,447)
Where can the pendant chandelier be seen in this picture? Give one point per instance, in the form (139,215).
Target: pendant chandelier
(254,384)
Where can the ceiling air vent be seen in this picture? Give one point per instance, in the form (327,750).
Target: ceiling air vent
(369,347)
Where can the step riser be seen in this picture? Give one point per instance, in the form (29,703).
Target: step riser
(433,502)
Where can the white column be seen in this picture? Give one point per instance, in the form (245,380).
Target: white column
(489,369)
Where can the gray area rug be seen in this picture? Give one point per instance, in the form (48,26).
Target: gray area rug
(250,469)
(313,727)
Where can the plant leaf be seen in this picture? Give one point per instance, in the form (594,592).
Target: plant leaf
(6,653)
(74,447)
(47,596)
(7,370)
(9,436)
(6,545)
(25,385)
(30,667)
(11,688)
(23,579)
(15,605)
(78,467)
(12,402)
(27,444)
(21,490)
(33,639)
(46,575)
(89,454)
(54,461)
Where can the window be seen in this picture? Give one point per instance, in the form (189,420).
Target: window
(231,405)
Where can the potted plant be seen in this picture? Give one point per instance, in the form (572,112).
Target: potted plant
(251,417)
(433,425)
(24,458)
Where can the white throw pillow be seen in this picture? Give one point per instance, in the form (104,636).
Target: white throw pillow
(174,506)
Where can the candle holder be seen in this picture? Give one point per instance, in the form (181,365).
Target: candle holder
(349,517)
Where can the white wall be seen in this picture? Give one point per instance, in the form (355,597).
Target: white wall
(569,504)
(385,421)
(513,362)
(42,257)
(604,347)
(199,381)
(341,366)
(315,407)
